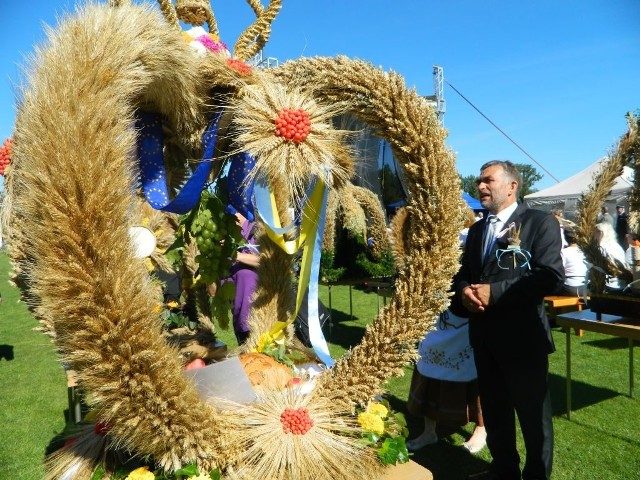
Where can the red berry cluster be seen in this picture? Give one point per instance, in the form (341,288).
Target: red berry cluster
(292,124)
(6,150)
(296,421)
(239,66)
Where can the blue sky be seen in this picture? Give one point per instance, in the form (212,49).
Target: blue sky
(556,75)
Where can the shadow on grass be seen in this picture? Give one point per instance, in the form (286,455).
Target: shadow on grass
(582,394)
(613,343)
(342,330)
(444,460)
(6,352)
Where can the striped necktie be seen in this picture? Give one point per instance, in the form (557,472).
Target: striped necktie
(489,236)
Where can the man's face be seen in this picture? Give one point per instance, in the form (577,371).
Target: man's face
(495,189)
(620,210)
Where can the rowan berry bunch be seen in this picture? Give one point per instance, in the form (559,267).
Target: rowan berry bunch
(296,421)
(292,125)
(6,150)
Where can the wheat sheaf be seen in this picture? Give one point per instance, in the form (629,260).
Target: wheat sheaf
(71,194)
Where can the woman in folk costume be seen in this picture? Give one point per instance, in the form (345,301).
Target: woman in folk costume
(444,387)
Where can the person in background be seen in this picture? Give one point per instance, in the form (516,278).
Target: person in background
(479,215)
(604,216)
(503,290)
(633,240)
(444,386)
(245,277)
(622,226)
(606,238)
(575,267)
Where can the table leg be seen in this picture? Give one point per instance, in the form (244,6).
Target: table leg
(631,367)
(568,337)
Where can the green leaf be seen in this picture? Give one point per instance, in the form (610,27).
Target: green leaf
(215,474)
(393,450)
(188,470)
(98,473)
(175,252)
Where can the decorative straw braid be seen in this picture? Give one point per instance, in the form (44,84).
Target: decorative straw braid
(377,226)
(169,12)
(81,269)
(398,240)
(329,238)
(254,38)
(435,213)
(351,214)
(589,206)
(72,193)
(197,12)
(633,156)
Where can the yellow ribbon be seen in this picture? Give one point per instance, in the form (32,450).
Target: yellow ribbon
(306,240)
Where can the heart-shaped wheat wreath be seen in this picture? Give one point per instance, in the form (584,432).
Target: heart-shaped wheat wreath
(72,193)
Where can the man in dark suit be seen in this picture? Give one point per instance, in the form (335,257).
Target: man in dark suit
(506,273)
(622,226)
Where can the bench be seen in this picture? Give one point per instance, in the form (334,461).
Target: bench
(557,304)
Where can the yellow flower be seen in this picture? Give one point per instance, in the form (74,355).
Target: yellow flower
(378,409)
(173,304)
(141,473)
(264,342)
(371,423)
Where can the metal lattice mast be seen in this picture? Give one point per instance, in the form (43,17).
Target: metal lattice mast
(438,88)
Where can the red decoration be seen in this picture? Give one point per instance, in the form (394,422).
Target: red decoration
(296,421)
(239,66)
(102,428)
(6,150)
(292,125)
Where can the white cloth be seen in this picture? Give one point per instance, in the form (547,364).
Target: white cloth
(613,250)
(445,353)
(575,268)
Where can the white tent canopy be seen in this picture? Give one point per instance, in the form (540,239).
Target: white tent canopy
(565,194)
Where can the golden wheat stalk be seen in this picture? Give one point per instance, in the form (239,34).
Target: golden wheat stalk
(329,449)
(435,213)
(590,203)
(79,260)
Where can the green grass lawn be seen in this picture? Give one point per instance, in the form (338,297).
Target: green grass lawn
(601,442)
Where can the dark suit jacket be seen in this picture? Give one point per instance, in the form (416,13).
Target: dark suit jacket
(515,323)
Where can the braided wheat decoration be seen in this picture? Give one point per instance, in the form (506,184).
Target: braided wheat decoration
(434,211)
(72,190)
(624,153)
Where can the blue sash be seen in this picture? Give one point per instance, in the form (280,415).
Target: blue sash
(152,170)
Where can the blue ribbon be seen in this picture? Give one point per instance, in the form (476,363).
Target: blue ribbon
(240,187)
(152,170)
(517,251)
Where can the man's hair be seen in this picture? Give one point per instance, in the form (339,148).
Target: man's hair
(509,169)
(557,211)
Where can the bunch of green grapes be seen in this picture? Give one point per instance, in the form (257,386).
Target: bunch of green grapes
(217,236)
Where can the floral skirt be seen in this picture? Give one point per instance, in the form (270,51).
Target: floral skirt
(448,403)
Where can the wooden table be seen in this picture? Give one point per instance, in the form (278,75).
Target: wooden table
(407,471)
(613,325)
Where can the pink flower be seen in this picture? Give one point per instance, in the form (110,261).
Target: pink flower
(211,44)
